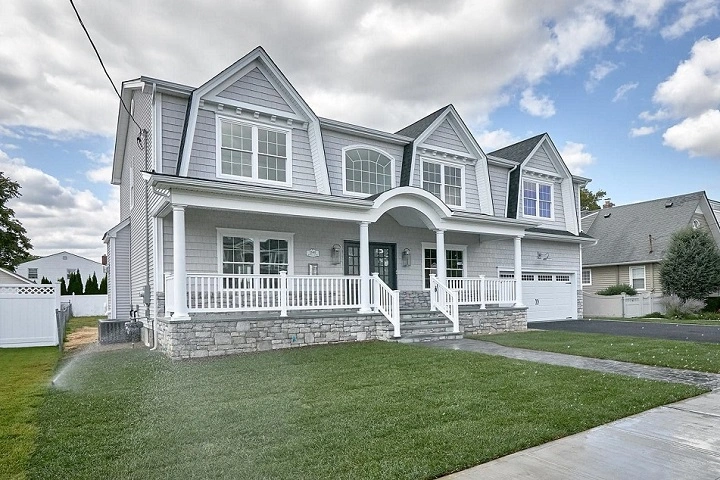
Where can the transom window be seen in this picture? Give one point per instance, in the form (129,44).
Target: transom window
(537,199)
(253,152)
(637,277)
(454,264)
(247,252)
(587,277)
(368,171)
(444,181)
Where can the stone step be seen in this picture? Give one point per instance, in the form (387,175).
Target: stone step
(425,320)
(434,327)
(427,337)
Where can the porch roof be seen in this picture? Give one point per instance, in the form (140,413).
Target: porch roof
(428,209)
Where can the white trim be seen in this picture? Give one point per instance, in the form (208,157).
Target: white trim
(644,277)
(537,183)
(257,236)
(113,273)
(219,119)
(157,133)
(582,277)
(158,256)
(536,172)
(443,163)
(349,193)
(131,190)
(448,246)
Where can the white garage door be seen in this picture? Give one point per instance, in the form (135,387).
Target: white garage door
(549,296)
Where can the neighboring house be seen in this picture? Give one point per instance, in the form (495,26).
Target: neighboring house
(11,278)
(60,265)
(633,239)
(256,204)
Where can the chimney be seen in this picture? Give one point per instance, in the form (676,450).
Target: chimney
(103,260)
(608,203)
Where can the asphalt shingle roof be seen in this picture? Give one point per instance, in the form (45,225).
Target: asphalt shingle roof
(624,232)
(518,152)
(415,129)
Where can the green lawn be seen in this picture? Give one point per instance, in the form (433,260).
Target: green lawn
(24,376)
(364,410)
(703,357)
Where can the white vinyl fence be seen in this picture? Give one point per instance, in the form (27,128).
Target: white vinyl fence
(622,306)
(86,305)
(27,315)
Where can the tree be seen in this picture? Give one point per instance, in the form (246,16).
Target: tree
(91,285)
(45,281)
(589,200)
(75,284)
(63,288)
(14,244)
(103,286)
(691,268)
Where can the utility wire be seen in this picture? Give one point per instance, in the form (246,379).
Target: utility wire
(103,65)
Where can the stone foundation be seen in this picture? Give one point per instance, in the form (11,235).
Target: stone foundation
(474,321)
(580,304)
(415,299)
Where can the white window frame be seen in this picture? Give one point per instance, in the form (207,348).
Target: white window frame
(537,198)
(427,245)
(443,164)
(257,236)
(350,193)
(582,277)
(644,277)
(255,151)
(32,271)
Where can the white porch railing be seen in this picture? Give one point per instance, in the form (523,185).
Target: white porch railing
(208,292)
(445,301)
(387,302)
(481,290)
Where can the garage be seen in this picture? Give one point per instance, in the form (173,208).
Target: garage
(549,296)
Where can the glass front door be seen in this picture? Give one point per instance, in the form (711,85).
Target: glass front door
(382,261)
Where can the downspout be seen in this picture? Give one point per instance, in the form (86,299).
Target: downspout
(146,289)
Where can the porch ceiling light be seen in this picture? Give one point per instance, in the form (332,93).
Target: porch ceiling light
(335,254)
(406,259)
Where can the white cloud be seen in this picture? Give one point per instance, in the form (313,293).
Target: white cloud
(691,14)
(654,116)
(642,131)
(102,166)
(599,71)
(536,106)
(491,140)
(576,157)
(58,217)
(699,136)
(695,85)
(623,90)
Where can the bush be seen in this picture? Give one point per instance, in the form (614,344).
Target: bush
(653,315)
(712,304)
(677,307)
(691,268)
(618,289)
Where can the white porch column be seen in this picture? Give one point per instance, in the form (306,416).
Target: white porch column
(441,271)
(180,311)
(518,272)
(364,267)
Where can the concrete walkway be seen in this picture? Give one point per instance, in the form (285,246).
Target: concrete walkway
(707,380)
(676,441)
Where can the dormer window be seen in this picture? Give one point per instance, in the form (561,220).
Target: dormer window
(367,171)
(537,199)
(445,181)
(253,152)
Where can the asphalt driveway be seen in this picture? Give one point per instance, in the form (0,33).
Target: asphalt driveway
(668,331)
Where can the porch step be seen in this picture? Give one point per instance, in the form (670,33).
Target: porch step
(424,326)
(429,336)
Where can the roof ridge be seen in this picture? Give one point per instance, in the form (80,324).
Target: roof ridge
(656,200)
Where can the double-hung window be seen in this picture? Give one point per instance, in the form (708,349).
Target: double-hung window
(587,277)
(537,199)
(253,152)
(454,262)
(637,277)
(445,181)
(247,252)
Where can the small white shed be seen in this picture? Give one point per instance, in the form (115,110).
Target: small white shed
(27,312)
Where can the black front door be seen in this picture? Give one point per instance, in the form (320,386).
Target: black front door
(382,261)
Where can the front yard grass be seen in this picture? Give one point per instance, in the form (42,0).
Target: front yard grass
(702,357)
(76,323)
(364,410)
(25,375)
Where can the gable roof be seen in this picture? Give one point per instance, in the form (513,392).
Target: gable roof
(639,232)
(415,129)
(15,276)
(64,252)
(518,152)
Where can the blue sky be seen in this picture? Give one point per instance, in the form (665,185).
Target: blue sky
(629,91)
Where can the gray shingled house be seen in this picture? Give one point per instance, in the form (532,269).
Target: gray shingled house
(632,239)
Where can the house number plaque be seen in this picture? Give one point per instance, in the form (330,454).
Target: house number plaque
(312,253)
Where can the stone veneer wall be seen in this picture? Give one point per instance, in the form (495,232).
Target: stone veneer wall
(475,321)
(580,303)
(415,299)
(209,335)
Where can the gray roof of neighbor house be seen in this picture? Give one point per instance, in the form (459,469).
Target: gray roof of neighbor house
(640,232)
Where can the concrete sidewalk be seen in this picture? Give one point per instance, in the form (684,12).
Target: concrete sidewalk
(677,441)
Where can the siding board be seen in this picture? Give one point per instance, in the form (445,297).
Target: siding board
(173,119)
(498,187)
(445,136)
(256,89)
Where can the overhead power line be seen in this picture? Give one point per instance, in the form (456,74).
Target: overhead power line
(103,65)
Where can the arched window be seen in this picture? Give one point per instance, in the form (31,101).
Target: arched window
(368,171)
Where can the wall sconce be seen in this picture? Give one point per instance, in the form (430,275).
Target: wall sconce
(335,254)
(406,259)
(543,256)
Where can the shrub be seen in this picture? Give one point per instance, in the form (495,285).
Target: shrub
(677,307)
(712,304)
(653,315)
(618,289)
(691,268)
